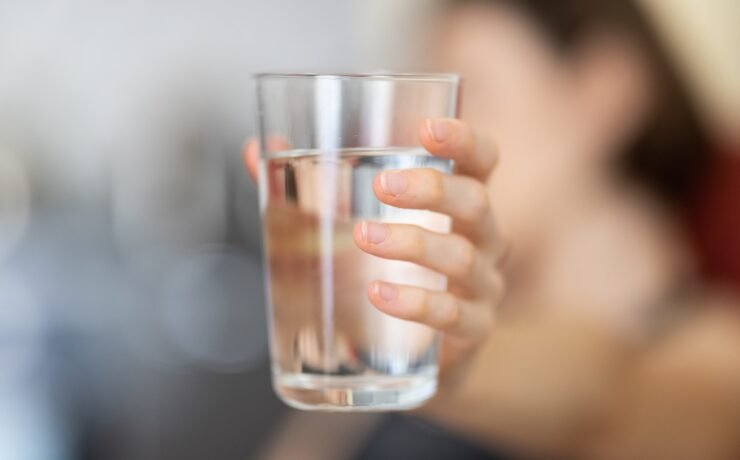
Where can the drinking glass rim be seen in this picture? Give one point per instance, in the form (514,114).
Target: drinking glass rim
(402,76)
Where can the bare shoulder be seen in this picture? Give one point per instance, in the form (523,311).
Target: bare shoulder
(681,397)
(620,259)
(715,318)
(705,344)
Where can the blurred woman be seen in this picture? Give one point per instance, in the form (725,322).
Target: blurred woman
(608,343)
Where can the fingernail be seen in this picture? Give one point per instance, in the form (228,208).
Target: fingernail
(386,291)
(373,233)
(439,130)
(393,183)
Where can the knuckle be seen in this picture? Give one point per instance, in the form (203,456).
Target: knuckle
(420,307)
(451,312)
(434,182)
(466,258)
(497,286)
(500,251)
(470,142)
(415,243)
(483,324)
(478,202)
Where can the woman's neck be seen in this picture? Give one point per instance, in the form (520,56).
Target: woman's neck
(611,251)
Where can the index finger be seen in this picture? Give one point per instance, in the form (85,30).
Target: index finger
(251,153)
(453,139)
(250,156)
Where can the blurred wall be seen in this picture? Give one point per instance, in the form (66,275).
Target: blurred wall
(132,319)
(705,37)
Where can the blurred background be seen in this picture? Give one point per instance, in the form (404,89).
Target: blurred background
(132,316)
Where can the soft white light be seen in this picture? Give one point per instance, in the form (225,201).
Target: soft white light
(15,201)
(213,311)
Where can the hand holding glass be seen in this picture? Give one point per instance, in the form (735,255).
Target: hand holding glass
(325,140)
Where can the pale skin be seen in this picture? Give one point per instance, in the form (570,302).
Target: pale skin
(611,400)
(469,256)
(587,356)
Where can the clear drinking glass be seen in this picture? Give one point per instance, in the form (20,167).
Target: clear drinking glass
(324,138)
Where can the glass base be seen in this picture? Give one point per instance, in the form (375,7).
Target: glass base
(354,393)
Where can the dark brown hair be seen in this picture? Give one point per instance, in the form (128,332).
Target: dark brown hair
(670,154)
